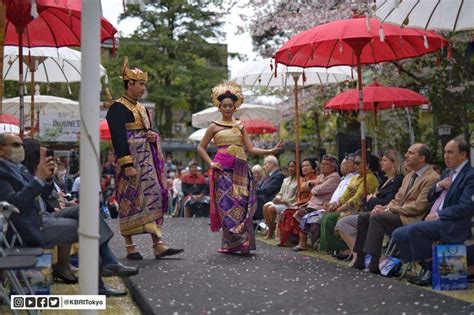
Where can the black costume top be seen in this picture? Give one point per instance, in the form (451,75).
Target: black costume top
(123,115)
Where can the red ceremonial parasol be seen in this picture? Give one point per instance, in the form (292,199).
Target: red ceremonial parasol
(376,97)
(258,126)
(104,131)
(9,119)
(355,42)
(45,23)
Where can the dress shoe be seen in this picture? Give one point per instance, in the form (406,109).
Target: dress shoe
(424,279)
(169,252)
(109,291)
(65,276)
(342,256)
(374,266)
(118,269)
(360,262)
(135,256)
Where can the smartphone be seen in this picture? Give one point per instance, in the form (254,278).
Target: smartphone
(50,153)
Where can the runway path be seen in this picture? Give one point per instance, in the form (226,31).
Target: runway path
(272,281)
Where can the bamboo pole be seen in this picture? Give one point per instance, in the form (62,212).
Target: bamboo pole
(2,41)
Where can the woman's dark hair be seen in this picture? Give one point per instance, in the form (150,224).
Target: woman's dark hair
(313,161)
(292,161)
(372,161)
(222,97)
(32,154)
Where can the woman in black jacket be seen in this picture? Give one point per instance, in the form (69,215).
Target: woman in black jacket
(392,166)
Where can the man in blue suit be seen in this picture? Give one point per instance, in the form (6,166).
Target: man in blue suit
(270,185)
(449,219)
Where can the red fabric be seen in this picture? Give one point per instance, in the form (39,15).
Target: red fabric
(9,119)
(288,225)
(104,131)
(58,23)
(334,43)
(194,180)
(376,97)
(258,126)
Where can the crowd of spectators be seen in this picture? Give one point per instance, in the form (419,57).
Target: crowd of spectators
(404,199)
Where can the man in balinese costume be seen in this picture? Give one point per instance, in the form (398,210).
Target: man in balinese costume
(141,181)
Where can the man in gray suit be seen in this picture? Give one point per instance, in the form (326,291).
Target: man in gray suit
(36,226)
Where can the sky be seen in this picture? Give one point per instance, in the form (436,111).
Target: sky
(111,9)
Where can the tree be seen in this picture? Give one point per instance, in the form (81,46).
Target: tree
(447,82)
(171,43)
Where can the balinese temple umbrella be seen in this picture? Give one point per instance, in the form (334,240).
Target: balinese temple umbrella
(354,42)
(264,73)
(377,97)
(45,23)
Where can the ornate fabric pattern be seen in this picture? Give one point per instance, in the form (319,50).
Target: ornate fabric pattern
(142,199)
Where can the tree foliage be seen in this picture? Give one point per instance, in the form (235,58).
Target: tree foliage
(171,43)
(445,78)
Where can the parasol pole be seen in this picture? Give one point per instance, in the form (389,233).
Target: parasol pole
(21,90)
(2,41)
(362,121)
(296,76)
(32,67)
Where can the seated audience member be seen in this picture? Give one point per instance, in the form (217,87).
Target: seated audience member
(449,219)
(36,226)
(322,188)
(409,205)
(177,191)
(314,218)
(285,198)
(392,166)
(62,180)
(258,175)
(349,203)
(195,191)
(269,186)
(287,224)
(76,186)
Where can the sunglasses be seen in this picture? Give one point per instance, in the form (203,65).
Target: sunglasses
(357,163)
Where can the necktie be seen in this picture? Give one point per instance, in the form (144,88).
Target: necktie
(440,200)
(411,183)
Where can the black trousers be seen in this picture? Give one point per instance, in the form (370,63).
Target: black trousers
(371,230)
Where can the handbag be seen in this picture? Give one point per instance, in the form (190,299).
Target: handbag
(449,267)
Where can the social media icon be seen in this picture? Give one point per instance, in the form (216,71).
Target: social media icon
(53,302)
(18,302)
(30,302)
(42,302)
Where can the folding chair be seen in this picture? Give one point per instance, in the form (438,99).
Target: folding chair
(15,254)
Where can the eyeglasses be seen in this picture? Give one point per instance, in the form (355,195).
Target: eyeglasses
(357,163)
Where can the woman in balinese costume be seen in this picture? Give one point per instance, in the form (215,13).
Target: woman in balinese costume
(232,191)
(287,225)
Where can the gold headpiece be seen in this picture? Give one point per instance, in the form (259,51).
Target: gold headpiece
(132,74)
(227,89)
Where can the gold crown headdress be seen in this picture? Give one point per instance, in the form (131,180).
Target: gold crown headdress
(227,90)
(132,74)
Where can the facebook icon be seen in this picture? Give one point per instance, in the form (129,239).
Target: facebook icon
(42,302)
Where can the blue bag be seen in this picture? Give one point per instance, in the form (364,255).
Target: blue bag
(390,266)
(449,267)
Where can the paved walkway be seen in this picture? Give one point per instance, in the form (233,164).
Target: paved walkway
(272,281)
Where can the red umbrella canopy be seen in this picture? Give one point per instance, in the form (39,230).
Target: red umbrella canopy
(336,43)
(104,131)
(376,97)
(258,126)
(58,23)
(9,119)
